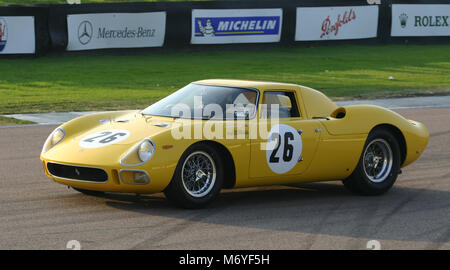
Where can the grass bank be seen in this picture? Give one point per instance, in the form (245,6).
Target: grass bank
(6,121)
(129,82)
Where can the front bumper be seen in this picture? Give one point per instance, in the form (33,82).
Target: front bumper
(105,178)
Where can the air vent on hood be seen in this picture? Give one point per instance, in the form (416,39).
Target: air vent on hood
(161,124)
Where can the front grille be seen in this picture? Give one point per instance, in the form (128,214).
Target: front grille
(77,173)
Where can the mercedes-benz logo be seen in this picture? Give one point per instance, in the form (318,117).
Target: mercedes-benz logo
(85,32)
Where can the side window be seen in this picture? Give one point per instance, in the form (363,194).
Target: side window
(245,98)
(243,105)
(283,102)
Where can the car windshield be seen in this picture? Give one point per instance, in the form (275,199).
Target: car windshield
(206,102)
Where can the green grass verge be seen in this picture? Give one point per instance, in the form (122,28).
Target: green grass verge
(131,82)
(6,121)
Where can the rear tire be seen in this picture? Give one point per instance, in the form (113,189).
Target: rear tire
(378,166)
(198,177)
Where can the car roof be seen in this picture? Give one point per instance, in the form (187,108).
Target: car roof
(315,102)
(260,85)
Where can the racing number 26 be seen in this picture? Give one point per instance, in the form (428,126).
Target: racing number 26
(288,149)
(108,139)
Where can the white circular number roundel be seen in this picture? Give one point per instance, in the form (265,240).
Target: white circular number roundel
(283,148)
(104,138)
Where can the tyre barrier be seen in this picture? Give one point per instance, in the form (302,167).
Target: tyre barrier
(117,28)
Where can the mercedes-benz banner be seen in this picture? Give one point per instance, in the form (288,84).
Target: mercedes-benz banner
(420,20)
(17,35)
(115,30)
(221,26)
(334,23)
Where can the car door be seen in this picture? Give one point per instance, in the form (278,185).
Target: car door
(291,140)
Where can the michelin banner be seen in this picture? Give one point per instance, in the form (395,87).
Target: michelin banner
(420,20)
(17,35)
(224,26)
(335,23)
(115,30)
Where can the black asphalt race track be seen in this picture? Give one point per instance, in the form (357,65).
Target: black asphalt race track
(36,213)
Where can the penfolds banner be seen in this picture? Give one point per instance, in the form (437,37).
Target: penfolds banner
(334,23)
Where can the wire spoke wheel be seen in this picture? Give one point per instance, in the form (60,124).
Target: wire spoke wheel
(377,160)
(198,174)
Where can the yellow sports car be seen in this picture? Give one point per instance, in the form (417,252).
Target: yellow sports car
(215,134)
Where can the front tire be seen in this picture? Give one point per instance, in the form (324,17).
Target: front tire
(378,166)
(198,177)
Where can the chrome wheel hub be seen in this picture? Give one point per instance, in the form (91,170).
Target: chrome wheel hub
(377,160)
(198,174)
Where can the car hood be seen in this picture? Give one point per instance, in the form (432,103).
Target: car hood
(139,127)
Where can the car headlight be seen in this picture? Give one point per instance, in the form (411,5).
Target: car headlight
(146,150)
(55,137)
(139,154)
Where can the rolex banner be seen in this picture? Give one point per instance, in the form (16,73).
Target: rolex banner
(115,30)
(420,20)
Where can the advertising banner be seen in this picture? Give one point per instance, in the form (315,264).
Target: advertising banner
(115,30)
(335,23)
(17,35)
(420,20)
(222,26)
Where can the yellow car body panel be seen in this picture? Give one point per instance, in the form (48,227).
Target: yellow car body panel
(332,143)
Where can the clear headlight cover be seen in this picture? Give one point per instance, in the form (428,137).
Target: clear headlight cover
(146,150)
(139,154)
(55,137)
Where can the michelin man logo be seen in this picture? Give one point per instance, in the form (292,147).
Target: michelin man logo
(207,30)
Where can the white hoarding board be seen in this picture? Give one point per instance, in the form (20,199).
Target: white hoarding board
(17,35)
(333,23)
(420,20)
(222,26)
(115,30)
